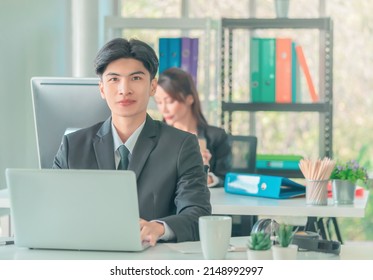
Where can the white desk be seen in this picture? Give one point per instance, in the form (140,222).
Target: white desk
(232,204)
(4,213)
(172,251)
(4,199)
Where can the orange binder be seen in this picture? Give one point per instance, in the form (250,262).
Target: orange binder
(283,70)
(306,71)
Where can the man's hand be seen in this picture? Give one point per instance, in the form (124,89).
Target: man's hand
(151,231)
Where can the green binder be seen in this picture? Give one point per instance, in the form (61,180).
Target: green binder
(268,69)
(262,69)
(254,70)
(268,161)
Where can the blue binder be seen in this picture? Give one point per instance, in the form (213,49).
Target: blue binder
(262,186)
(163,54)
(174,52)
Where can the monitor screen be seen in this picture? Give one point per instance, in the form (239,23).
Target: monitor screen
(62,105)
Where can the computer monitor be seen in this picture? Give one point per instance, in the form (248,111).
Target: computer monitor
(244,149)
(62,105)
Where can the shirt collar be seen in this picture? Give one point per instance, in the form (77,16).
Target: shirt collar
(131,141)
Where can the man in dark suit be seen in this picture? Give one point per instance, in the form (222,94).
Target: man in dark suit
(170,175)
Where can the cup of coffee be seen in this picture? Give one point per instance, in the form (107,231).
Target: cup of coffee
(215,233)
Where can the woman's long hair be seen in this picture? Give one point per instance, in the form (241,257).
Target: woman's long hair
(180,84)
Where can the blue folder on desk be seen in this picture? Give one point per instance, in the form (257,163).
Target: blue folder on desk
(262,185)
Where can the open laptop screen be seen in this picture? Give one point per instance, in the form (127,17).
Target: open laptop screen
(75,209)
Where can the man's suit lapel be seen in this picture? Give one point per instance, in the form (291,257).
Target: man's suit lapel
(104,146)
(145,144)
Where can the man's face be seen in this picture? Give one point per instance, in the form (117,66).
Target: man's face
(126,87)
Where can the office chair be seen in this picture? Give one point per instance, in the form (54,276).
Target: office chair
(243,161)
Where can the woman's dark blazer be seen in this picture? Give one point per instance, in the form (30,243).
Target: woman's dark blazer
(221,154)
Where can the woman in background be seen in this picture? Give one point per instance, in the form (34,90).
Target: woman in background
(178,102)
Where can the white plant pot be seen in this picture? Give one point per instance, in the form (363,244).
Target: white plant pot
(285,253)
(282,8)
(259,254)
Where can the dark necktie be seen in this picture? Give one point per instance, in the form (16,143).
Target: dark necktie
(124,152)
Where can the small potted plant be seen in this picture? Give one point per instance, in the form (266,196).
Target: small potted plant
(350,171)
(283,249)
(259,246)
(344,178)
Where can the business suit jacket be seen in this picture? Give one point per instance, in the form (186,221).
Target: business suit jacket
(217,143)
(170,177)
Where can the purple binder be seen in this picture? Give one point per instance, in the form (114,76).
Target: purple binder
(194,63)
(186,54)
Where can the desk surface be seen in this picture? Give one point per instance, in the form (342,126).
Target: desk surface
(4,198)
(174,251)
(233,204)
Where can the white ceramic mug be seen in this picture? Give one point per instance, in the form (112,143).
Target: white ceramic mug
(215,233)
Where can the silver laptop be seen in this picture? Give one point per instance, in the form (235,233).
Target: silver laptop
(75,209)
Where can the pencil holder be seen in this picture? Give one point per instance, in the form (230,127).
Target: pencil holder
(317,192)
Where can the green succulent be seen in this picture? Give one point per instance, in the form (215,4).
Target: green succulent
(259,241)
(285,234)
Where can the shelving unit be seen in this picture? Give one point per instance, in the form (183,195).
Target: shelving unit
(324,108)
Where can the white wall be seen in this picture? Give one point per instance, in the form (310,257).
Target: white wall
(35,40)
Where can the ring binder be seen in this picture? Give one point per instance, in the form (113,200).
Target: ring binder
(262,185)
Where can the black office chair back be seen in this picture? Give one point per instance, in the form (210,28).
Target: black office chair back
(243,153)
